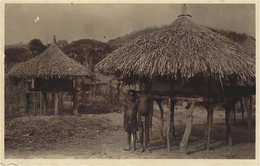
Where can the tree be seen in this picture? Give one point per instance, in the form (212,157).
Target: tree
(36,46)
(87,52)
(16,55)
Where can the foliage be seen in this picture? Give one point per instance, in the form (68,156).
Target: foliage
(181,50)
(36,46)
(234,36)
(16,55)
(87,52)
(119,41)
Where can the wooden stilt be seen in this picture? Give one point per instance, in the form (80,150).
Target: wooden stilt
(52,102)
(246,108)
(251,102)
(234,115)
(159,102)
(75,103)
(61,101)
(186,135)
(249,115)
(44,100)
(242,109)
(34,103)
(171,129)
(151,121)
(210,110)
(56,107)
(228,124)
(28,103)
(41,103)
(12,103)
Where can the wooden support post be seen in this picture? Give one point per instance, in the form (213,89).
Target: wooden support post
(56,108)
(150,121)
(186,135)
(242,109)
(249,116)
(171,129)
(52,102)
(12,101)
(210,110)
(34,103)
(246,108)
(234,115)
(41,103)
(28,103)
(75,103)
(45,101)
(228,123)
(159,102)
(61,101)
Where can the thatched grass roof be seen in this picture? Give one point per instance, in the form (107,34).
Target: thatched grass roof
(49,64)
(180,51)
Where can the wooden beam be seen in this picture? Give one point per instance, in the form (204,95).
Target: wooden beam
(186,135)
(171,129)
(75,103)
(249,112)
(56,105)
(210,109)
(159,102)
(41,103)
(44,99)
(242,109)
(28,103)
(228,124)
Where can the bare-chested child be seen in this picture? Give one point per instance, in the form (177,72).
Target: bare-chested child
(130,119)
(144,109)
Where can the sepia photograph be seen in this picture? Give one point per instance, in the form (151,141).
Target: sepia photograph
(151,80)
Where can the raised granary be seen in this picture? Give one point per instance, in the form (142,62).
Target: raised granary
(186,61)
(51,71)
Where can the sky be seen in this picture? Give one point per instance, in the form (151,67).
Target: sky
(74,21)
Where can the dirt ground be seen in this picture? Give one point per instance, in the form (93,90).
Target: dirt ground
(100,135)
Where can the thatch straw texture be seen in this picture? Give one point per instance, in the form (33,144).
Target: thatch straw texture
(181,50)
(51,63)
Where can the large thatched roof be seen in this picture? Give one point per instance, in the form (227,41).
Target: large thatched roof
(181,50)
(51,63)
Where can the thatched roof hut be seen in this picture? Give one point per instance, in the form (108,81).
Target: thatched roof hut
(52,63)
(180,50)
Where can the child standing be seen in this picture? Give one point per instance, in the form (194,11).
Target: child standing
(130,119)
(144,112)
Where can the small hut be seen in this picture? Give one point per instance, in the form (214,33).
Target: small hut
(51,71)
(185,60)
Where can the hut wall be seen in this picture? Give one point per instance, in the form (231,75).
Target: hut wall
(53,85)
(196,86)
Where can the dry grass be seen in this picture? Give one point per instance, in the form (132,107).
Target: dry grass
(181,50)
(51,63)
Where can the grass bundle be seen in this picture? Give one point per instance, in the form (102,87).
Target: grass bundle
(181,50)
(52,63)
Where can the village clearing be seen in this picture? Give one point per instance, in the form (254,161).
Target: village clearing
(98,134)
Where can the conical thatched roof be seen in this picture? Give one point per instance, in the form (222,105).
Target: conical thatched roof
(181,50)
(50,64)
